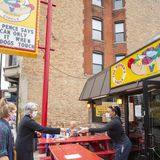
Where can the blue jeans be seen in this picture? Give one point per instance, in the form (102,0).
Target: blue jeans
(123,149)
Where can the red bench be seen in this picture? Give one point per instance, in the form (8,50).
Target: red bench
(110,153)
(45,158)
(41,149)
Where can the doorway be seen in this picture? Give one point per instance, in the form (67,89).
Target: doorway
(144,121)
(136,129)
(154,115)
(151,102)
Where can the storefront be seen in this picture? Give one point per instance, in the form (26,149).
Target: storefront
(136,81)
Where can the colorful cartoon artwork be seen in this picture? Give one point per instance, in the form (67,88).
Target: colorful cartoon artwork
(147,62)
(15,10)
(141,64)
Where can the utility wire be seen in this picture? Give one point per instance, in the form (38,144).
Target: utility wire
(67,73)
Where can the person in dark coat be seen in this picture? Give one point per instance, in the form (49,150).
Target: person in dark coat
(27,131)
(115,130)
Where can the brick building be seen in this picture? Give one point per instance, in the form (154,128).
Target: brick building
(88,36)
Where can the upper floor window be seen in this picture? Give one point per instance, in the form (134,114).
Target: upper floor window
(97,62)
(12,60)
(96,29)
(119,57)
(97,2)
(118,4)
(119,32)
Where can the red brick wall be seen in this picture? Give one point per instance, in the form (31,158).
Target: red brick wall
(88,37)
(119,16)
(107,46)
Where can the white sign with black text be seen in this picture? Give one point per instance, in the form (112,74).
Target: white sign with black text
(138,110)
(18,37)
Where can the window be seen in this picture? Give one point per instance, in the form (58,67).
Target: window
(97,2)
(97,61)
(119,57)
(12,60)
(96,29)
(119,32)
(118,4)
(101,109)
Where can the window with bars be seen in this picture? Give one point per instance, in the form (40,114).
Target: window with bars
(97,2)
(96,29)
(119,32)
(119,57)
(118,4)
(12,60)
(97,62)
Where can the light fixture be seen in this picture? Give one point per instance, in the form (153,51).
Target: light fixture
(119,101)
(88,105)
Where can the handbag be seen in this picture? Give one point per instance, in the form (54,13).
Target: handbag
(14,154)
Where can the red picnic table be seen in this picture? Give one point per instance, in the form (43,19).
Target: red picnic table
(79,139)
(70,152)
(100,143)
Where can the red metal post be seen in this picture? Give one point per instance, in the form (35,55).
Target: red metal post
(46,64)
(44,2)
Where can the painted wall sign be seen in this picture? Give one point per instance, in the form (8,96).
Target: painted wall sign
(19,27)
(139,65)
(100,110)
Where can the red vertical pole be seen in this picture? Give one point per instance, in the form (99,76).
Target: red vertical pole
(46,63)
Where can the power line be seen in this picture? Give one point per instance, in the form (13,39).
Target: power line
(67,73)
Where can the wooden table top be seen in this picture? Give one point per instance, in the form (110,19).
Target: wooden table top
(72,152)
(74,139)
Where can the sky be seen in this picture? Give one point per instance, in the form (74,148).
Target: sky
(4,84)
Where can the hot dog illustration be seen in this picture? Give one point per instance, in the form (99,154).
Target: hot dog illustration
(16,7)
(148,61)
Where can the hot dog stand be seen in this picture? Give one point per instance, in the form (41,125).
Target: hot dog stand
(136,81)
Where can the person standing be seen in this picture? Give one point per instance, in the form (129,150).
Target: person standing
(7,110)
(115,130)
(26,132)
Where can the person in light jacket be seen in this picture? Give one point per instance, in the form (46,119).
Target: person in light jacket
(115,130)
(27,130)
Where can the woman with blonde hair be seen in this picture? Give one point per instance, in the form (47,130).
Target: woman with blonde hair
(7,110)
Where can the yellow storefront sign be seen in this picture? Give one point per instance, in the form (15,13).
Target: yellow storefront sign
(139,65)
(19,27)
